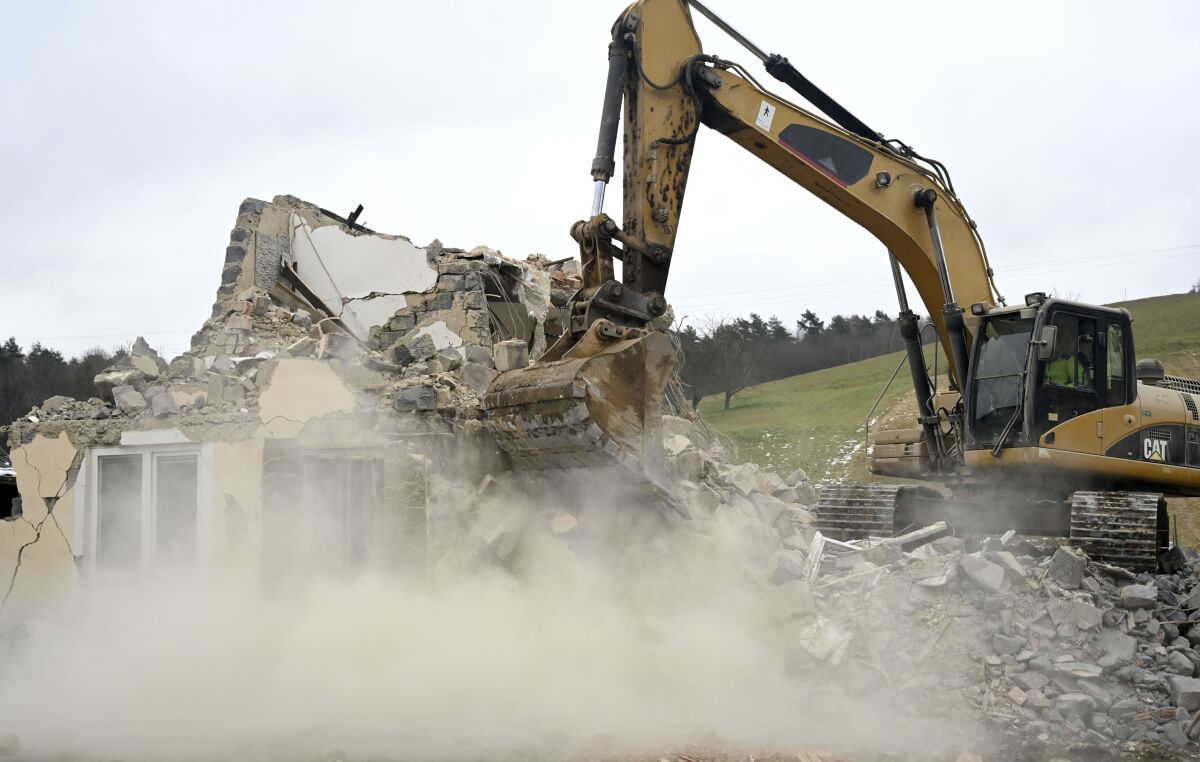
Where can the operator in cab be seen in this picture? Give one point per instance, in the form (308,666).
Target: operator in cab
(1071,367)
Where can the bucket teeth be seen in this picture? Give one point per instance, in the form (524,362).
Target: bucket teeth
(595,411)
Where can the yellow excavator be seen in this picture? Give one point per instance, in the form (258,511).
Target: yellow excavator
(1049,425)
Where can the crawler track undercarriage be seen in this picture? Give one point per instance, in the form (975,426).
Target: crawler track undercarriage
(1127,529)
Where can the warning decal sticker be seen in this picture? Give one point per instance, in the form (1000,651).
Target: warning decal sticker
(766,115)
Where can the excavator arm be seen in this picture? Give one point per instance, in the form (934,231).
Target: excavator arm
(665,88)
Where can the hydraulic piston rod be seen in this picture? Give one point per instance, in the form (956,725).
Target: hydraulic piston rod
(952,313)
(910,332)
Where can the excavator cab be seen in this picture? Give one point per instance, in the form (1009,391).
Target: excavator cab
(1037,368)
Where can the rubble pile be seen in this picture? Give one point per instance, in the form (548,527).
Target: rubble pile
(435,355)
(1026,634)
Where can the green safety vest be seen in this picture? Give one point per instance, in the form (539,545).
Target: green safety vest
(1067,371)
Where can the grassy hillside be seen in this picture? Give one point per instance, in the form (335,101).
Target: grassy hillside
(815,421)
(1167,328)
(812,421)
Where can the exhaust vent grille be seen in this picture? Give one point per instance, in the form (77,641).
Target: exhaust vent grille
(1190,403)
(1180,384)
(1159,432)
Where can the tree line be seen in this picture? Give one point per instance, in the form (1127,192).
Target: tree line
(724,356)
(30,378)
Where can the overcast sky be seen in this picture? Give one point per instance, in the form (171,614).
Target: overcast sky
(130,132)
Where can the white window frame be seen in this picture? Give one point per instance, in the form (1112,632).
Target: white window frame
(150,453)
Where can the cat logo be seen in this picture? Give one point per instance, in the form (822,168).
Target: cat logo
(1155,449)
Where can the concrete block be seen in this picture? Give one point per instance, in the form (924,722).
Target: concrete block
(1185,692)
(510,354)
(1139,597)
(409,398)
(129,400)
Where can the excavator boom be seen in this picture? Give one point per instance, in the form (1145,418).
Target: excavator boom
(664,88)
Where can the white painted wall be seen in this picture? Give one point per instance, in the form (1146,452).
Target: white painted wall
(372,272)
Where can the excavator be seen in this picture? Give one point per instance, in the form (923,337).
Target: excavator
(1048,425)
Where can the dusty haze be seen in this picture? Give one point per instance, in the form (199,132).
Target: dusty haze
(633,633)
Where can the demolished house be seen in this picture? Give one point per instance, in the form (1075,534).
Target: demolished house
(332,405)
(339,368)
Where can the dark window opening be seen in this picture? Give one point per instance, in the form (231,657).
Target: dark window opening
(838,157)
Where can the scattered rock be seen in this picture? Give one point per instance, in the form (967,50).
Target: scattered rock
(1185,692)
(1139,597)
(56,403)
(129,401)
(984,573)
(1067,567)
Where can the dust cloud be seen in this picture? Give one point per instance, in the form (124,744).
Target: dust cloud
(614,629)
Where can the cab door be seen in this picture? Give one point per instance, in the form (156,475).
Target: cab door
(1071,395)
(1122,412)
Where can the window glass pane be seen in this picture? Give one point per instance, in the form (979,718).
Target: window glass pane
(1074,353)
(1116,364)
(119,513)
(1005,346)
(175,510)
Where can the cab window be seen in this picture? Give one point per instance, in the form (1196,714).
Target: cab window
(1115,381)
(1074,361)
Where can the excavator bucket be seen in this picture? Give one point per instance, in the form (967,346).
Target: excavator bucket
(598,406)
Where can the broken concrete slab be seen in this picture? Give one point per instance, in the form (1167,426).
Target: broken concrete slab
(982,572)
(476,376)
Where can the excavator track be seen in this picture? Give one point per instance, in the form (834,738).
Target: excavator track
(1124,529)
(854,511)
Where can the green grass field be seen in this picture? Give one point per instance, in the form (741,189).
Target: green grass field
(815,421)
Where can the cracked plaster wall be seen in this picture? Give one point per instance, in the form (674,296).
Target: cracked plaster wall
(37,567)
(299,391)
